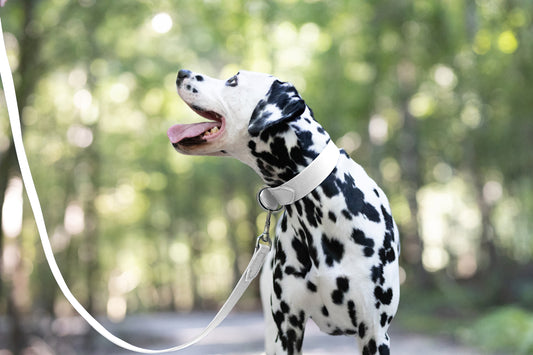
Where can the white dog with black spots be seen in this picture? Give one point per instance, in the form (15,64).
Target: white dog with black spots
(335,255)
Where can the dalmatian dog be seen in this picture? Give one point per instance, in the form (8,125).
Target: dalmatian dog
(335,255)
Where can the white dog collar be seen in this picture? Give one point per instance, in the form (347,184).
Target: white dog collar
(274,198)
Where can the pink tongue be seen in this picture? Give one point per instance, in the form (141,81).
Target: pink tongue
(179,132)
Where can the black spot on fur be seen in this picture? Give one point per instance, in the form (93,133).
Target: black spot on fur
(359,237)
(370,348)
(352,313)
(355,199)
(383,319)
(280,255)
(337,297)
(386,253)
(298,208)
(347,214)
(305,139)
(277,289)
(279,318)
(336,331)
(332,217)
(283,224)
(312,213)
(297,156)
(289,270)
(333,250)
(302,255)
(316,196)
(311,286)
(343,285)
(297,321)
(362,330)
(325,311)
(384,350)
(329,185)
(306,235)
(289,210)
(385,297)
(377,274)
(389,225)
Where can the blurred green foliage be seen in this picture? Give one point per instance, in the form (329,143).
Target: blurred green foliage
(508,329)
(432,97)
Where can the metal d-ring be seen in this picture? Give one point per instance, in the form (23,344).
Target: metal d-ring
(263,205)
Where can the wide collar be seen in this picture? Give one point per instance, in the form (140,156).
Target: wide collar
(274,198)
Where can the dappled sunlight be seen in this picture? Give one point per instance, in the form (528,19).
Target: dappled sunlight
(350,142)
(430,98)
(80,136)
(390,170)
(162,23)
(74,221)
(450,224)
(507,42)
(422,105)
(116,308)
(378,130)
(445,77)
(12,209)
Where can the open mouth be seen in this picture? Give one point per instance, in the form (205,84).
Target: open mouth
(197,133)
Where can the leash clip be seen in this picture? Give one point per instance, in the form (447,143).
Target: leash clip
(264,238)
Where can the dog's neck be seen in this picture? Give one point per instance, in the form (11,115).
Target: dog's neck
(282,151)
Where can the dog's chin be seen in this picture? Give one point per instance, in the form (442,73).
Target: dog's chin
(200,150)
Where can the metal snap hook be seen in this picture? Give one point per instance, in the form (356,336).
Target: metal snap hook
(264,238)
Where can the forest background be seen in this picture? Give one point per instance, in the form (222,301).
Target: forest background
(430,96)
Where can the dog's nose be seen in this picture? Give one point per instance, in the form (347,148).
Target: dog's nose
(182,74)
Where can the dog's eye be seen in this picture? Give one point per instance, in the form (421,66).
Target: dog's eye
(233,81)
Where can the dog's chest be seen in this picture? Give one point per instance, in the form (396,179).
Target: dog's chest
(327,246)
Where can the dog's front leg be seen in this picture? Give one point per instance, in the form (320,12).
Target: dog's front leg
(290,326)
(271,330)
(284,320)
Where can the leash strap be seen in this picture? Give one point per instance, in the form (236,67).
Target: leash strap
(261,251)
(273,198)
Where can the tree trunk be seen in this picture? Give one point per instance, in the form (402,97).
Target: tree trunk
(29,52)
(6,170)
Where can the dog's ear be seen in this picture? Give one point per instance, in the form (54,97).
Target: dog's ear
(282,102)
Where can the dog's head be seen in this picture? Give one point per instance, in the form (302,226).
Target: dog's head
(237,109)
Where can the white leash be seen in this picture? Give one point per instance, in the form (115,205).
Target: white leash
(249,274)
(271,199)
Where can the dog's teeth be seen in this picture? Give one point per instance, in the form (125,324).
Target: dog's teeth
(211,131)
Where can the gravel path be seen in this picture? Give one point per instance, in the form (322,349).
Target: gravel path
(242,334)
